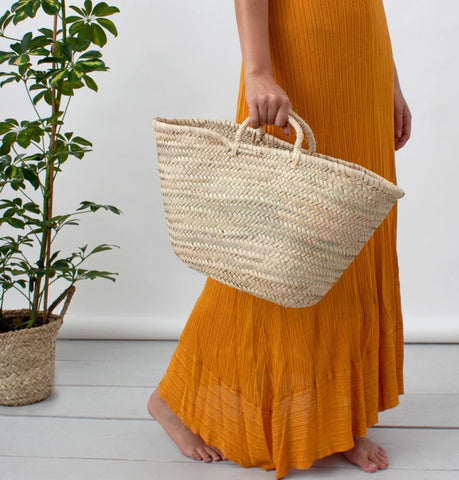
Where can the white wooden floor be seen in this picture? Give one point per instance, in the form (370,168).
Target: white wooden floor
(95,424)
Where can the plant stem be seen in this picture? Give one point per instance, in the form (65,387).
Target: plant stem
(47,203)
(10,38)
(30,98)
(65,113)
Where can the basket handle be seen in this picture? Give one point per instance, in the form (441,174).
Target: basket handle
(298,124)
(68,292)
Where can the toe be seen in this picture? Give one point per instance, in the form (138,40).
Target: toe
(370,466)
(220,453)
(374,457)
(213,453)
(382,452)
(205,456)
(381,458)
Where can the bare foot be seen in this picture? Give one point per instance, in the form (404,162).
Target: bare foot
(367,454)
(189,443)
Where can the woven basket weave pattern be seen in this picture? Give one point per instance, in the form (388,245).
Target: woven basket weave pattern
(27,360)
(263,215)
(27,356)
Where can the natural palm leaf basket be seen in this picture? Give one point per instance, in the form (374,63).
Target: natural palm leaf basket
(27,355)
(262,215)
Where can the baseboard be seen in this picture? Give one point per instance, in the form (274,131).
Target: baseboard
(416,330)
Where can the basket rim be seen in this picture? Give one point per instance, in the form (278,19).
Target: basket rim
(55,318)
(197,125)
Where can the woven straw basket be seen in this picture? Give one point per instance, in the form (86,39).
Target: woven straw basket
(262,215)
(27,355)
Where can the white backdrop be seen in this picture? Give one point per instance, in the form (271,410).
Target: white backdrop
(182,59)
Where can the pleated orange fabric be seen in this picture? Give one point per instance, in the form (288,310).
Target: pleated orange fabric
(278,387)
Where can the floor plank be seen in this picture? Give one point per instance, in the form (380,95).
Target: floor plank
(114,373)
(145,440)
(14,468)
(433,410)
(427,368)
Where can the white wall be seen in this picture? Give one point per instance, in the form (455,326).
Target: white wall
(182,59)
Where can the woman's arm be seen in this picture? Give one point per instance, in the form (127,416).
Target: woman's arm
(252,22)
(267,101)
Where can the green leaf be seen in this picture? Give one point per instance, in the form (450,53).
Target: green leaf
(76,27)
(5,20)
(67,51)
(23,138)
(82,141)
(88,7)
(25,42)
(23,69)
(82,45)
(9,138)
(16,47)
(47,32)
(92,64)
(114,209)
(91,54)
(85,33)
(32,207)
(71,19)
(15,222)
(100,248)
(54,118)
(78,10)
(21,60)
(58,77)
(34,157)
(77,153)
(98,35)
(67,88)
(34,180)
(49,60)
(90,83)
(103,10)
(39,51)
(108,25)
(9,80)
(40,41)
(48,97)
(5,56)
(10,212)
(19,17)
(5,127)
(76,73)
(51,7)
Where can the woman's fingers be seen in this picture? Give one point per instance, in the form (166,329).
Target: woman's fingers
(406,129)
(262,109)
(273,107)
(282,117)
(267,102)
(402,125)
(402,119)
(253,114)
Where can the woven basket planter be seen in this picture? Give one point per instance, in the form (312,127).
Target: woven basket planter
(262,215)
(27,355)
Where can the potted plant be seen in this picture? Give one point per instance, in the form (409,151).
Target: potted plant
(51,62)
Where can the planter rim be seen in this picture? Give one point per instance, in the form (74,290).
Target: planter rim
(53,318)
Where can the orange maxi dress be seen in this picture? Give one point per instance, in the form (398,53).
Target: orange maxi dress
(278,387)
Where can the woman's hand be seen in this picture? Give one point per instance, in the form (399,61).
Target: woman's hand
(402,116)
(267,101)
